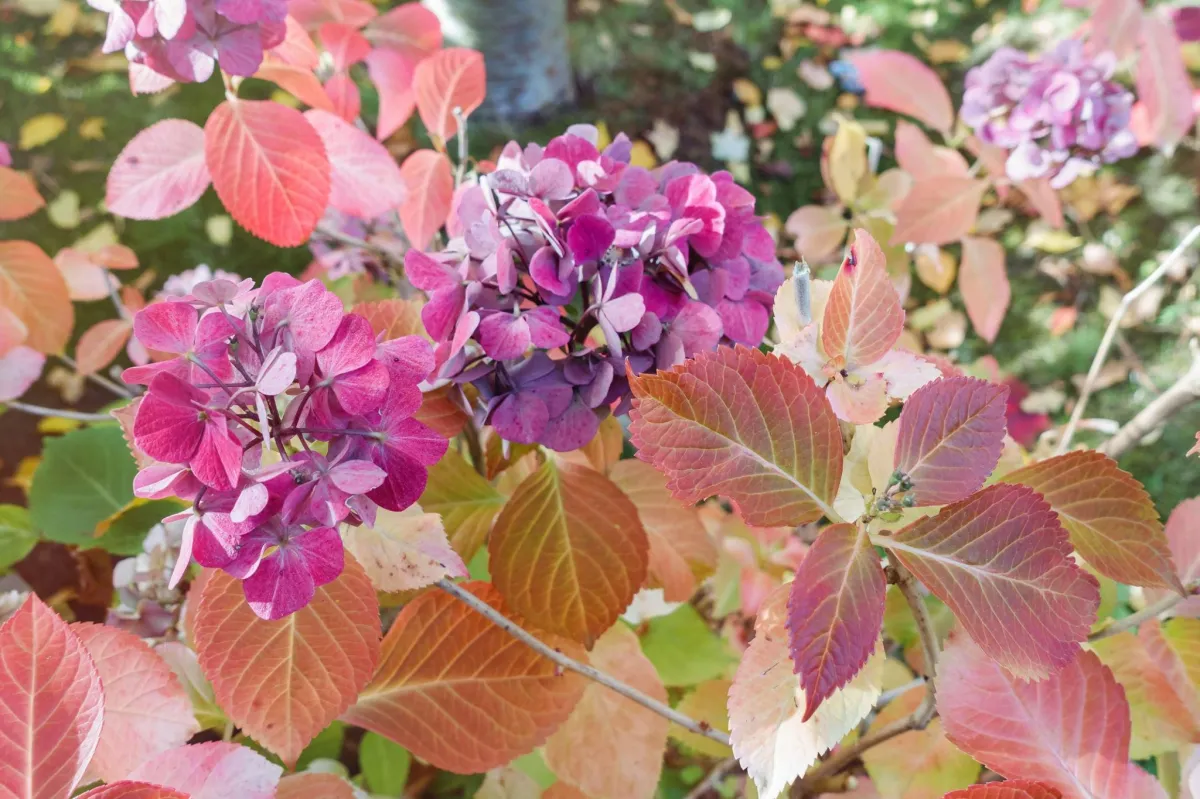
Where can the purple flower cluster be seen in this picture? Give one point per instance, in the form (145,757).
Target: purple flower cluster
(569,266)
(279,416)
(1060,115)
(184,39)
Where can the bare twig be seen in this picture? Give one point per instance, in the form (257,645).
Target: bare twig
(353,241)
(1110,333)
(460,173)
(99,380)
(518,632)
(1185,391)
(713,778)
(1146,614)
(61,413)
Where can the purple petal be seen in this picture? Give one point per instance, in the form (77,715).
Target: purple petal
(573,428)
(521,418)
(589,238)
(504,336)
(551,179)
(546,329)
(625,312)
(357,477)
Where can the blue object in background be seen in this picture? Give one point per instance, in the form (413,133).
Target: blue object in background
(847,76)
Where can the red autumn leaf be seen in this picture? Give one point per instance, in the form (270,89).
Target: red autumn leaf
(680,547)
(835,611)
(343,94)
(146,709)
(365,180)
(983,282)
(1002,562)
(410,30)
(745,425)
(441,413)
(1163,85)
(1009,789)
(345,44)
(461,693)
(33,289)
(269,168)
(606,728)
(566,568)
(392,73)
(213,770)
(900,82)
(297,47)
(430,184)
(133,790)
(300,82)
(1108,514)
(51,705)
(18,195)
(1069,731)
(919,157)
(100,344)
(950,438)
(313,785)
(863,317)
(283,681)
(160,172)
(449,79)
(1185,552)
(938,210)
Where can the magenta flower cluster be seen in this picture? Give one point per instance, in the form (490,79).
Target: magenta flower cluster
(278,369)
(184,39)
(1060,115)
(568,266)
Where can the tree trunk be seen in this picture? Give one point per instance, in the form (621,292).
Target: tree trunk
(524,45)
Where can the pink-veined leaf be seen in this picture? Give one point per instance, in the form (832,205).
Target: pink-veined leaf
(345,44)
(410,30)
(606,728)
(100,344)
(863,317)
(311,13)
(921,159)
(133,790)
(51,705)
(938,210)
(819,231)
(213,770)
(449,79)
(835,611)
(1002,562)
(32,288)
(365,179)
(950,437)
(314,785)
(297,47)
(1163,85)
(1108,514)
(20,368)
(1181,529)
(461,693)
(19,196)
(983,282)
(301,82)
(343,93)
(269,168)
(1009,789)
(900,82)
(283,681)
(392,73)
(160,172)
(146,709)
(744,425)
(430,184)
(1069,731)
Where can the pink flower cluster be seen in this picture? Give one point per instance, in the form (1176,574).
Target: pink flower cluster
(184,39)
(569,266)
(279,416)
(1060,115)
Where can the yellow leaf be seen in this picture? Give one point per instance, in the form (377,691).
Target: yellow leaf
(846,160)
(283,98)
(603,137)
(103,235)
(1047,239)
(92,128)
(63,210)
(56,425)
(23,478)
(39,8)
(219,229)
(63,21)
(41,129)
(746,91)
(947,51)
(643,155)
(936,268)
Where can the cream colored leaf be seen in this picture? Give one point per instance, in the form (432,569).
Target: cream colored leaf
(404,551)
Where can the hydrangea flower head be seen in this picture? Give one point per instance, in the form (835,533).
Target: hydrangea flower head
(279,416)
(1060,115)
(568,268)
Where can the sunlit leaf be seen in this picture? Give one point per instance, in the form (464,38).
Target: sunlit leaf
(468,503)
(844,162)
(298,81)
(684,649)
(430,190)
(938,210)
(19,196)
(392,318)
(366,181)
(403,551)
(41,129)
(160,172)
(449,79)
(410,29)
(984,285)
(32,288)
(900,82)
(133,790)
(392,75)
(214,770)
(863,317)
(707,705)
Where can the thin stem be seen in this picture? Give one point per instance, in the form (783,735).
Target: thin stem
(1185,391)
(353,241)
(111,283)
(99,380)
(713,777)
(518,632)
(38,410)
(474,448)
(1110,333)
(1147,613)
(461,172)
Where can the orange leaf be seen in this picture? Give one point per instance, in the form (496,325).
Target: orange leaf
(284,681)
(1044,199)
(606,728)
(919,157)
(146,709)
(441,413)
(900,82)
(938,210)
(314,786)
(818,230)
(392,318)
(984,285)
(269,168)
(680,547)
(18,195)
(460,692)
(298,81)
(430,191)
(1009,789)
(603,451)
(51,705)
(863,317)
(297,47)
(561,564)
(467,503)
(133,790)
(449,79)
(32,288)
(1109,515)
(100,344)
(745,425)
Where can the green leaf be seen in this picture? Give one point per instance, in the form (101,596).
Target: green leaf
(17,535)
(127,533)
(384,764)
(684,650)
(535,766)
(327,745)
(84,478)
